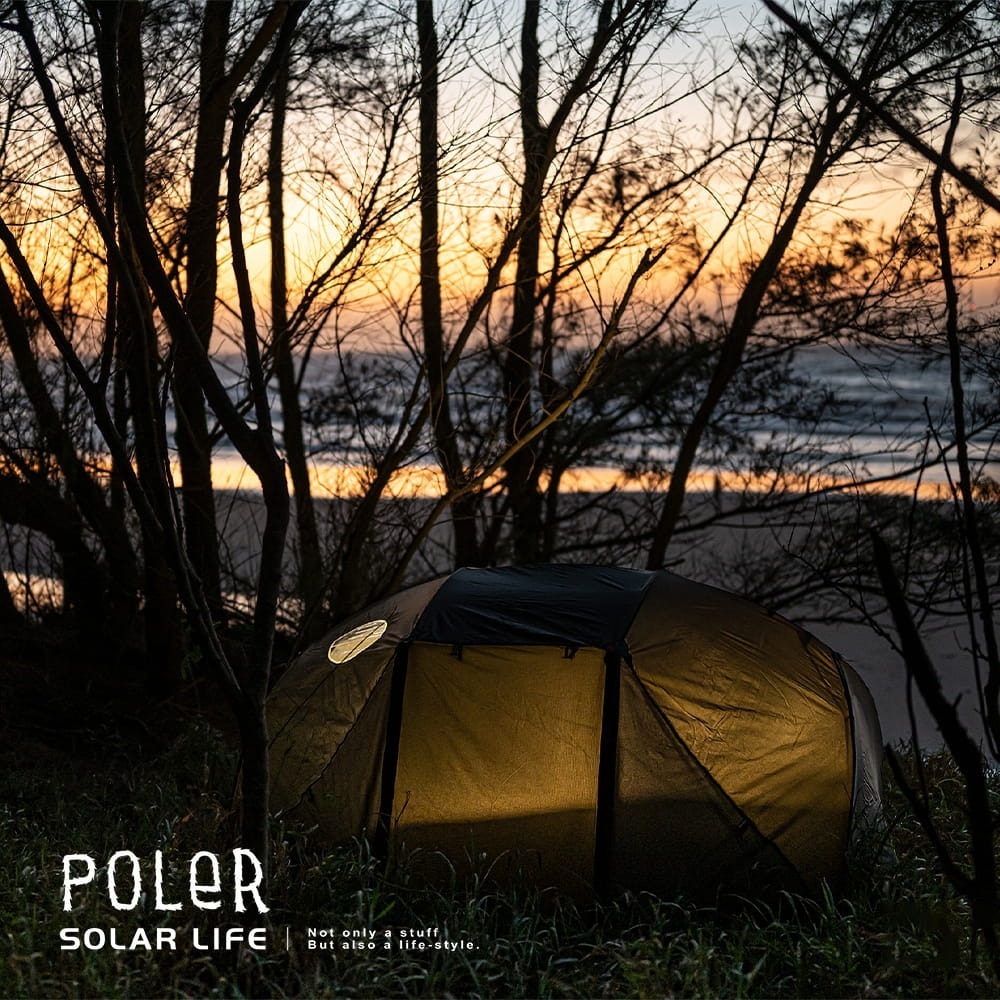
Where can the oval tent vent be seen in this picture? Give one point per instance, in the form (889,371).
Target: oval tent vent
(347,646)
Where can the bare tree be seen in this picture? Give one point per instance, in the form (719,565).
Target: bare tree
(826,115)
(219,77)
(141,276)
(970,55)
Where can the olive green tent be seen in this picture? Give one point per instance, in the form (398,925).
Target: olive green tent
(606,727)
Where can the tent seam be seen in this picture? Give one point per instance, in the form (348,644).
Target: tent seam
(324,642)
(365,710)
(708,774)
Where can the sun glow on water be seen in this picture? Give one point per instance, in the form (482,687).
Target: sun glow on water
(332,480)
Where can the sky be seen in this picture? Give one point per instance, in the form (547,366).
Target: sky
(479,134)
(331,158)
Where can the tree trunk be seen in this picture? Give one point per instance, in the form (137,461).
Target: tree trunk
(744,321)
(310,583)
(9,615)
(87,495)
(255,781)
(137,336)
(519,362)
(193,444)
(445,440)
(38,505)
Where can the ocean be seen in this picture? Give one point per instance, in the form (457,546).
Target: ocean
(884,423)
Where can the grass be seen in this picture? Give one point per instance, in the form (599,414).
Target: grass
(896,933)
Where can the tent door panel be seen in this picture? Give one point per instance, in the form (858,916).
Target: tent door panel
(499,753)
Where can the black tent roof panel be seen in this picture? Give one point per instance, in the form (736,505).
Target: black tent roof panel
(535,605)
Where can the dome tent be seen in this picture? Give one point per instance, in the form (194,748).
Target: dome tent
(621,728)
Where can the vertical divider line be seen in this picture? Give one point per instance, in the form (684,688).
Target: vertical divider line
(607,778)
(390,753)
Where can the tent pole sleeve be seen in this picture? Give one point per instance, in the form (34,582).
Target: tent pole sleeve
(607,778)
(390,754)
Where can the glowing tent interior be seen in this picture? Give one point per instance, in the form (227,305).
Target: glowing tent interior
(607,727)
